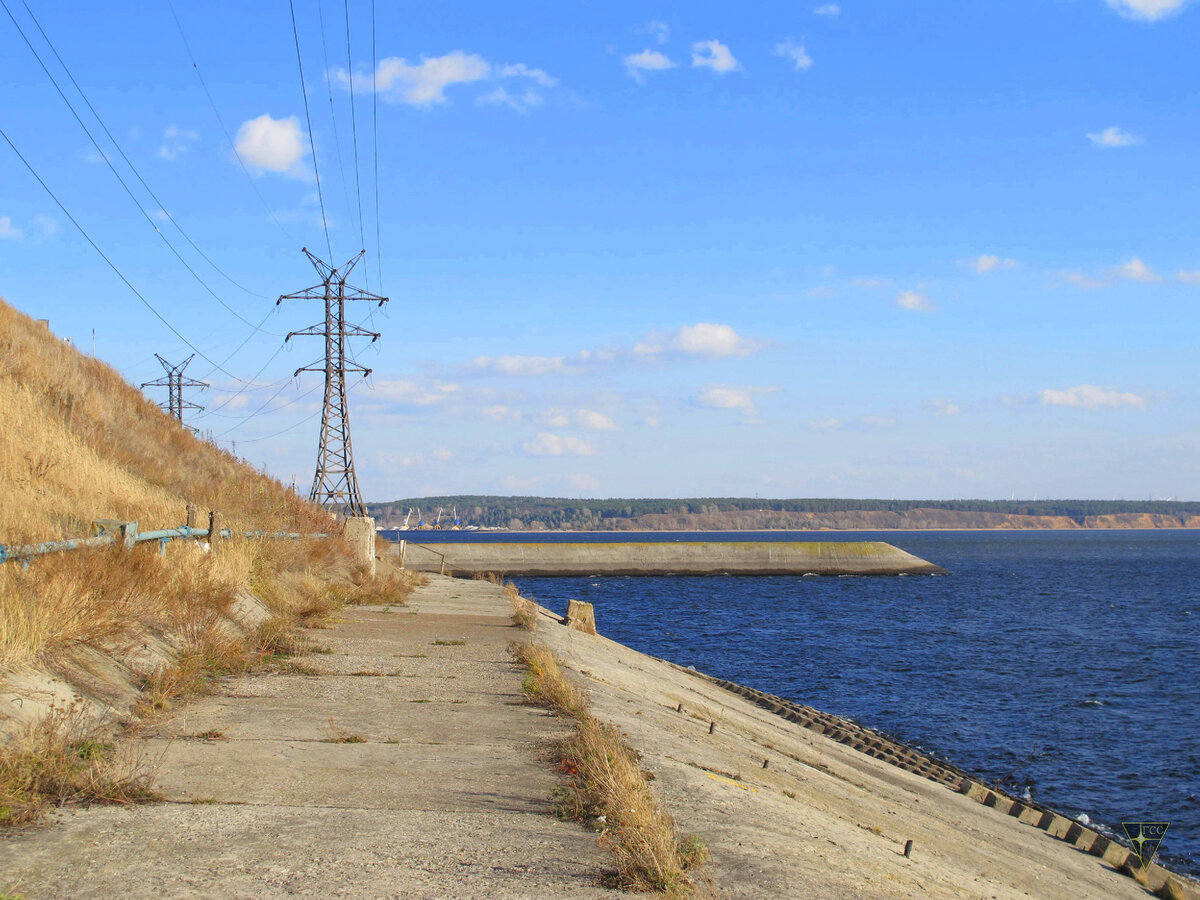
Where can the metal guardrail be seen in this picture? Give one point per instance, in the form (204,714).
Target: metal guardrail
(126,534)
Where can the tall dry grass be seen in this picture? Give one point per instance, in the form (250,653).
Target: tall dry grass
(78,443)
(608,788)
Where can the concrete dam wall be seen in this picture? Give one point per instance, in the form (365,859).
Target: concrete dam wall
(667,558)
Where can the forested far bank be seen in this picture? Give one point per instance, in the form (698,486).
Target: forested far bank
(742,513)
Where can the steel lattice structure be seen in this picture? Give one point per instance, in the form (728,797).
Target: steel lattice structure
(335,486)
(175,382)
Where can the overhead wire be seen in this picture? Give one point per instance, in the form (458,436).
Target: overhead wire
(354,132)
(216,112)
(108,162)
(150,306)
(375,135)
(337,141)
(308,119)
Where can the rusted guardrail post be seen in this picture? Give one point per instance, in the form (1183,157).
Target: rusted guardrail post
(127,533)
(214,529)
(191,515)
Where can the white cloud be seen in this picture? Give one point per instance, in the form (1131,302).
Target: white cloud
(660,31)
(714,55)
(1088,396)
(946,407)
(1147,10)
(741,399)
(985,263)
(869,282)
(595,421)
(828,9)
(827,425)
(789,49)
(522,365)
(500,413)
(546,444)
(1136,270)
(646,61)
(647,348)
(275,145)
(1113,137)
(914,301)
(712,340)
(7,230)
(584,482)
(47,224)
(1189,277)
(1080,280)
(410,393)
(176,142)
(425,83)
(877,421)
(520,70)
(554,418)
(522,102)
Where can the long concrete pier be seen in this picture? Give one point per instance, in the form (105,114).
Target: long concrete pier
(666,558)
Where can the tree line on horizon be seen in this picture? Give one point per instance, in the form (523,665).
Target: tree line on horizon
(560,512)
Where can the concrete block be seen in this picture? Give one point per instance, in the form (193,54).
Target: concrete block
(1116,855)
(1059,826)
(581,616)
(359,532)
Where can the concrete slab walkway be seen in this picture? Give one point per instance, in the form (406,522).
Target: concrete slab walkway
(409,767)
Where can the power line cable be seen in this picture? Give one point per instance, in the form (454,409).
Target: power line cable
(337,141)
(308,118)
(216,112)
(354,133)
(375,130)
(137,174)
(150,306)
(112,168)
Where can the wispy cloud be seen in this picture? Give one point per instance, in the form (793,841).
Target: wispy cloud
(47,224)
(1148,10)
(1113,137)
(424,83)
(1136,270)
(1089,396)
(714,55)
(1189,277)
(637,64)
(826,425)
(799,57)
(8,231)
(712,340)
(1083,280)
(595,421)
(410,393)
(985,263)
(739,399)
(176,142)
(914,301)
(522,365)
(273,145)
(660,31)
(828,9)
(946,407)
(547,444)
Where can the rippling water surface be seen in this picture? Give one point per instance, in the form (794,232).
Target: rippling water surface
(1063,661)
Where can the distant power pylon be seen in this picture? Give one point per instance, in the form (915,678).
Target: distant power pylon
(174,382)
(335,485)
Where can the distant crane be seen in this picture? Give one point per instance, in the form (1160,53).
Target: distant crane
(404,527)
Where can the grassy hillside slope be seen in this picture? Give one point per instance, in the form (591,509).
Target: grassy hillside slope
(77,443)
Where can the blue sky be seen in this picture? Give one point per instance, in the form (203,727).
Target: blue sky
(860,249)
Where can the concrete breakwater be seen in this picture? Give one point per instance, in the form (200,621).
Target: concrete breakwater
(666,558)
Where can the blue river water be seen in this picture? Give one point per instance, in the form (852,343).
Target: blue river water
(1062,661)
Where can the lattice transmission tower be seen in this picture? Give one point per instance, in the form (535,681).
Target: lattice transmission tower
(335,485)
(174,381)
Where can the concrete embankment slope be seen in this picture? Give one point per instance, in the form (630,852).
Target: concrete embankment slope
(667,558)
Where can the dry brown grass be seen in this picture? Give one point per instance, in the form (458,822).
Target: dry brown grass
(78,443)
(62,759)
(608,789)
(525,611)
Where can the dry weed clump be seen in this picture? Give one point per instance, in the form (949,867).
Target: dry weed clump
(525,611)
(62,759)
(608,788)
